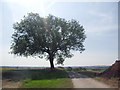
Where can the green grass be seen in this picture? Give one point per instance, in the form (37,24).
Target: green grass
(50,83)
(48,79)
(39,78)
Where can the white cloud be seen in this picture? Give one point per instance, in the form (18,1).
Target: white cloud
(100,28)
(103,17)
(101,22)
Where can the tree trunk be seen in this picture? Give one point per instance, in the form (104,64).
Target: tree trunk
(51,61)
(51,64)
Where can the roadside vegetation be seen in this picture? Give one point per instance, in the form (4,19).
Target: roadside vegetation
(38,78)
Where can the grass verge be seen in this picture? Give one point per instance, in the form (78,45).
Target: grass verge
(39,78)
(52,83)
(48,79)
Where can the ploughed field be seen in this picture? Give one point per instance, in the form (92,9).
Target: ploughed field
(35,78)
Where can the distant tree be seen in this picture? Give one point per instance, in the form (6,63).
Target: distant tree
(51,37)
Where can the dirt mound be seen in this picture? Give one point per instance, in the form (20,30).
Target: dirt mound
(112,71)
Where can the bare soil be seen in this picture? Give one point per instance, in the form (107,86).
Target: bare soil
(10,84)
(112,71)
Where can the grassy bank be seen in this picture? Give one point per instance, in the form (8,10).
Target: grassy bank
(39,78)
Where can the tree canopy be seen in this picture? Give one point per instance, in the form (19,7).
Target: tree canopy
(51,37)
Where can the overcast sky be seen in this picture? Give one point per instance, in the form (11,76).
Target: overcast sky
(99,19)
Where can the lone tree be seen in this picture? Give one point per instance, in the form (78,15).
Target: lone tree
(51,37)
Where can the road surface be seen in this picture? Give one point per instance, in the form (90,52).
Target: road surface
(82,81)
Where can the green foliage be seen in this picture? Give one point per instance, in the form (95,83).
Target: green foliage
(51,37)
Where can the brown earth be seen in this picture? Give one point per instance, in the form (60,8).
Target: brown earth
(112,71)
(10,84)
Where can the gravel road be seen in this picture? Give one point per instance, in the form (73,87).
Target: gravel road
(82,81)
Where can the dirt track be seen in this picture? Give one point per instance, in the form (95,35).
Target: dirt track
(82,81)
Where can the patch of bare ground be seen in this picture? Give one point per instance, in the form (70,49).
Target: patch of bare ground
(10,84)
(112,71)
(111,76)
(11,78)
